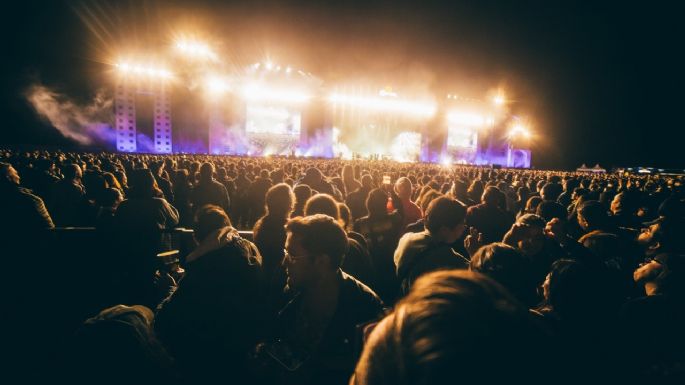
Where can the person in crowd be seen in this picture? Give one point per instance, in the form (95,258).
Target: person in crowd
(488,217)
(528,236)
(581,307)
(657,356)
(508,267)
(208,191)
(356,261)
(549,210)
(68,203)
(382,231)
(141,220)
(551,192)
(316,181)
(257,194)
(356,200)
(116,344)
(22,210)
(624,208)
(455,326)
(42,177)
(569,185)
(430,250)
(348,178)
(531,206)
(475,192)
(269,236)
(302,194)
(314,339)
(410,211)
(183,191)
(241,207)
(213,317)
(162,179)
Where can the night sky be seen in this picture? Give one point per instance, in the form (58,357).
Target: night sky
(603,83)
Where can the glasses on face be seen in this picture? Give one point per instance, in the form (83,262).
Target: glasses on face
(292,258)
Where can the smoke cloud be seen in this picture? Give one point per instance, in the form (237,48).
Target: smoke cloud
(89,124)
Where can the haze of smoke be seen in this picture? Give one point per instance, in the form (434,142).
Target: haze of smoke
(86,124)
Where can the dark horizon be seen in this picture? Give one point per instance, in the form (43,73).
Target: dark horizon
(600,81)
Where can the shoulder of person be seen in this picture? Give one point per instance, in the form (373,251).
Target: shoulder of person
(358,292)
(160,201)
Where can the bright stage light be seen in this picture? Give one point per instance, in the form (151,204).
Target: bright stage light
(446,160)
(466,118)
(196,50)
(519,130)
(269,66)
(406,146)
(420,108)
(260,92)
(138,69)
(499,100)
(216,85)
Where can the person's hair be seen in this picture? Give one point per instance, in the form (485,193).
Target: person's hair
(506,265)
(629,201)
(459,189)
(94,183)
(112,180)
(209,218)
(142,184)
(491,196)
(595,214)
(111,197)
(475,191)
(605,246)
(322,204)
(531,220)
(182,177)
(444,212)
(581,192)
(453,324)
(70,171)
(206,171)
(302,193)
(345,215)
(550,210)
(551,191)
(367,181)
(377,203)
(279,200)
(320,234)
(120,341)
(532,204)
(4,172)
(427,198)
(404,183)
(577,289)
(671,234)
(348,173)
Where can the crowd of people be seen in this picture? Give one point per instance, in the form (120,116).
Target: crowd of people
(317,271)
